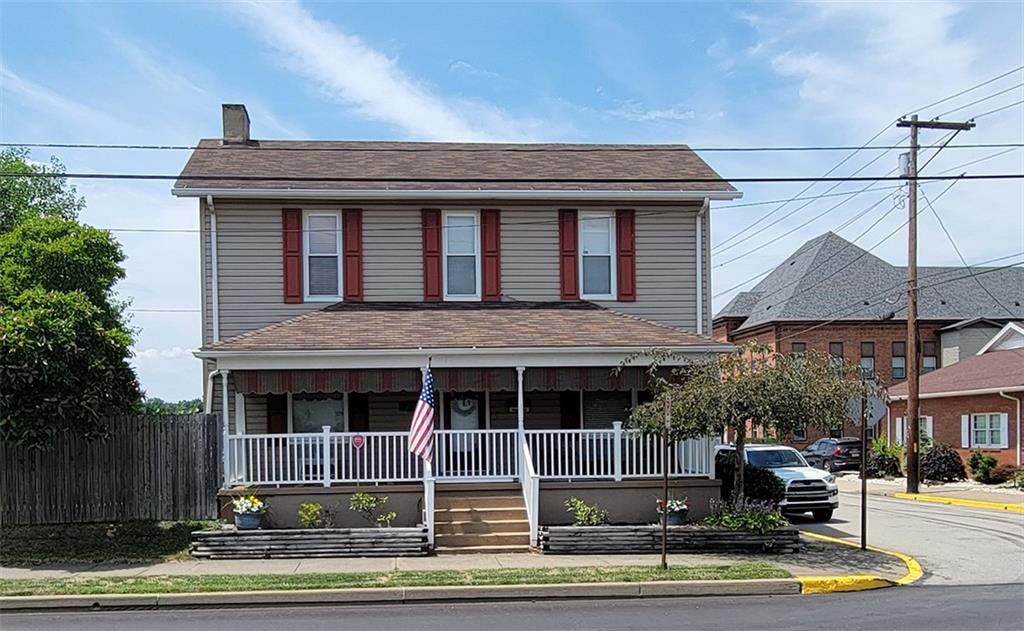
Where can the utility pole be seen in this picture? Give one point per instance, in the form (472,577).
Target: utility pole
(913,412)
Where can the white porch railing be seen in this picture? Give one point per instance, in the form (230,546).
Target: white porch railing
(578,454)
(476,454)
(531,492)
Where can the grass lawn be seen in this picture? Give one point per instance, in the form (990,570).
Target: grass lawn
(124,542)
(506,576)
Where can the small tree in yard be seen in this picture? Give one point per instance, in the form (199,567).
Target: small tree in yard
(64,343)
(753,387)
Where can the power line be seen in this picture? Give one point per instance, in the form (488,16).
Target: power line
(981,100)
(475,180)
(960,255)
(998,109)
(970,89)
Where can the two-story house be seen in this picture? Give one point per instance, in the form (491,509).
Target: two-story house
(333,272)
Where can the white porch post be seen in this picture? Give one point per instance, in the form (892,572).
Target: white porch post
(428,501)
(617,450)
(520,418)
(325,460)
(225,429)
(239,413)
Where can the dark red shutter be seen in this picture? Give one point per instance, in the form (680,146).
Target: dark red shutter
(291,222)
(352,237)
(568,245)
(432,290)
(625,245)
(490,239)
(277,413)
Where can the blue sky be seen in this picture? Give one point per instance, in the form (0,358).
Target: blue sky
(708,74)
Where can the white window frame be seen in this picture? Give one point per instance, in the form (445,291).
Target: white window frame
(444,254)
(306,254)
(988,444)
(612,255)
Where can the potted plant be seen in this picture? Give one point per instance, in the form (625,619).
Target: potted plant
(249,511)
(677,510)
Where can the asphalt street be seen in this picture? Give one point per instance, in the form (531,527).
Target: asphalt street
(955,545)
(935,607)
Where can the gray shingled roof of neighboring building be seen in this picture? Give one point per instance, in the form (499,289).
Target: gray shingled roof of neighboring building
(446,166)
(828,276)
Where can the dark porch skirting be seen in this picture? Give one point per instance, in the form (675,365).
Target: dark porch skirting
(446,379)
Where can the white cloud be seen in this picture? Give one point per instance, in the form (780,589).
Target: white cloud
(636,112)
(464,67)
(43,98)
(721,53)
(155,67)
(347,69)
(163,353)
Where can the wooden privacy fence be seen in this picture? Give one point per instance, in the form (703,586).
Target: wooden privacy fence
(150,467)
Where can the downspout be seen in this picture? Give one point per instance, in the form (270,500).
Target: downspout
(700,264)
(224,429)
(1017,400)
(214,298)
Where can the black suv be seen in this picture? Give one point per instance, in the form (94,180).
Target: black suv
(833,454)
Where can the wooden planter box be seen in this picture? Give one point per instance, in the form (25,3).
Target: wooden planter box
(638,539)
(303,543)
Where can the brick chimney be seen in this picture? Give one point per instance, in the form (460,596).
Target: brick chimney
(236,124)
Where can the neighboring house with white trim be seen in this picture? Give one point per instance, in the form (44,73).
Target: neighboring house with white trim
(332,271)
(974,403)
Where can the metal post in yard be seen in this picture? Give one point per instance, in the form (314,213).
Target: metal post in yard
(664,482)
(863,464)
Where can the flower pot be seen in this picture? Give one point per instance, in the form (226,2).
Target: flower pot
(677,517)
(248,521)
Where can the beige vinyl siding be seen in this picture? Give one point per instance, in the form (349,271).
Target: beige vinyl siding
(255,414)
(666,267)
(385,412)
(392,254)
(529,254)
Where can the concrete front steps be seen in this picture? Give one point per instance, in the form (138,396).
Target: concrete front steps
(480,518)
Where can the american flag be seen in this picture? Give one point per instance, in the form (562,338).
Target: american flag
(421,434)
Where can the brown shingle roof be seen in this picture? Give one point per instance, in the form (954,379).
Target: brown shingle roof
(412,325)
(445,166)
(995,369)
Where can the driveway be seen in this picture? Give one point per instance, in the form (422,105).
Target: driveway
(956,545)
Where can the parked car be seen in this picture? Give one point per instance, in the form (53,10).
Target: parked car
(807,489)
(834,454)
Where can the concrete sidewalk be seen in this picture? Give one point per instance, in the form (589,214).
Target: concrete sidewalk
(967,490)
(816,559)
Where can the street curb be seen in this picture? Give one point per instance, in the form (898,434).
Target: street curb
(409,595)
(954,501)
(824,584)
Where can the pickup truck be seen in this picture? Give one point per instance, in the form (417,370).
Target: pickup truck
(807,489)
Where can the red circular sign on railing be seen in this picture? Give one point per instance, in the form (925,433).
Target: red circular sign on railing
(358,441)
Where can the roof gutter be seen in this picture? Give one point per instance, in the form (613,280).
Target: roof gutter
(960,393)
(392,194)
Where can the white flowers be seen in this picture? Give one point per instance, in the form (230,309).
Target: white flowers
(249,504)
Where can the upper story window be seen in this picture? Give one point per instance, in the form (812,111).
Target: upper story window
(322,257)
(798,347)
(929,356)
(899,360)
(461,237)
(597,256)
(867,358)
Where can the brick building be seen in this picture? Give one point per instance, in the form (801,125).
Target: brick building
(974,403)
(831,296)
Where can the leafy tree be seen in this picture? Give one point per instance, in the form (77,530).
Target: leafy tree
(157,406)
(25,197)
(64,342)
(750,388)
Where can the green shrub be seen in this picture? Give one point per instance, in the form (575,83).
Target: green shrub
(982,465)
(585,514)
(313,515)
(884,461)
(367,505)
(750,515)
(1002,473)
(759,484)
(942,463)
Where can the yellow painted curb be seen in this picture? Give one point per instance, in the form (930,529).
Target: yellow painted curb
(852,583)
(820,584)
(953,501)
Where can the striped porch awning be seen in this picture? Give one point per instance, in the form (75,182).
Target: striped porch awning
(447,380)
